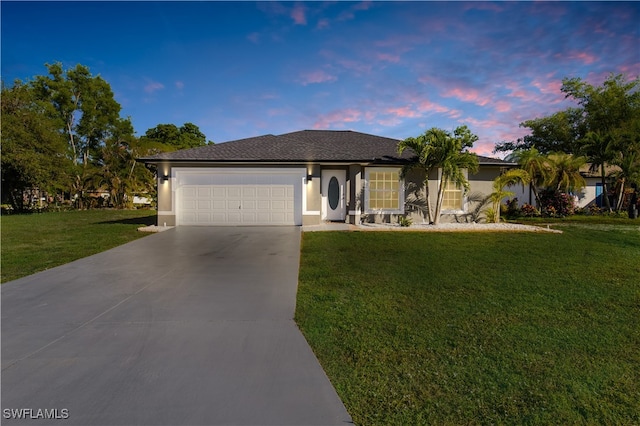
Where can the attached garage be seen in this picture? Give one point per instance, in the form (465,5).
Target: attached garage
(230,196)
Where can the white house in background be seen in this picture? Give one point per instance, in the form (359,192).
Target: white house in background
(590,195)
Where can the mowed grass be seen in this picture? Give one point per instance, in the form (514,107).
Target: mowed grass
(35,242)
(477,328)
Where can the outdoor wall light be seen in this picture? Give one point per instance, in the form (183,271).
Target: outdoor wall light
(165,178)
(309,178)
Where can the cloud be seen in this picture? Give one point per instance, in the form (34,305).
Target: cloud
(179,85)
(153,86)
(386,57)
(404,112)
(467,95)
(322,24)
(338,118)
(254,37)
(316,77)
(298,14)
(584,57)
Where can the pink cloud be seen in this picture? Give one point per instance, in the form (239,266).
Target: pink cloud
(298,14)
(584,57)
(467,95)
(502,106)
(484,124)
(388,57)
(316,77)
(404,112)
(179,85)
(548,87)
(338,118)
(427,106)
(484,147)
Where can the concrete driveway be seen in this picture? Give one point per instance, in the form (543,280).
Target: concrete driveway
(192,326)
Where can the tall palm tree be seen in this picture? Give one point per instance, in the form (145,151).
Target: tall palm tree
(424,148)
(437,148)
(537,167)
(598,149)
(628,172)
(453,157)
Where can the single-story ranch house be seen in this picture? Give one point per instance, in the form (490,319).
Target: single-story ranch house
(301,178)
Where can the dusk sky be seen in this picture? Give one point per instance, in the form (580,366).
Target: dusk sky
(242,69)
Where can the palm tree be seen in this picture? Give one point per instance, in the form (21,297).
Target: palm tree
(439,148)
(424,148)
(598,149)
(566,175)
(537,167)
(508,178)
(629,171)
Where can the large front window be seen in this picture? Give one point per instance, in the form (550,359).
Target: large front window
(384,190)
(452,197)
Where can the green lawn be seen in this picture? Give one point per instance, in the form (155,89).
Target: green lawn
(477,328)
(32,243)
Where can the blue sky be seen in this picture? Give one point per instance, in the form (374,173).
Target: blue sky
(395,69)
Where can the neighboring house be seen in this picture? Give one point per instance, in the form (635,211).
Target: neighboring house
(590,195)
(300,178)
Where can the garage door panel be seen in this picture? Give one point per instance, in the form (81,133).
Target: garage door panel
(232,197)
(263,192)
(204,205)
(234,191)
(189,191)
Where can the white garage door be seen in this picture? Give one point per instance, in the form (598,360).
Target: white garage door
(239,197)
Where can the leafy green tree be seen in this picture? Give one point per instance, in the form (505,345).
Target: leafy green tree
(174,138)
(32,151)
(119,173)
(559,132)
(612,114)
(88,112)
(438,148)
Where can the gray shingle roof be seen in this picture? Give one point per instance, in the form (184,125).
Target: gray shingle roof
(301,146)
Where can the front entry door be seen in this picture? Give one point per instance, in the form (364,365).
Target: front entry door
(333,194)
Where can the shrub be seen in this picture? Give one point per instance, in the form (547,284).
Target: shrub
(511,210)
(528,210)
(404,221)
(556,204)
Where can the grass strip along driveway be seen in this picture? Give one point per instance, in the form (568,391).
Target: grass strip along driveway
(39,241)
(477,328)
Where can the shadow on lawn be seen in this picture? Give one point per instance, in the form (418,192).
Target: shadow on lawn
(142,221)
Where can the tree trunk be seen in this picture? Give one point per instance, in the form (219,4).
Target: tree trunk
(428,197)
(620,195)
(605,193)
(443,184)
(536,195)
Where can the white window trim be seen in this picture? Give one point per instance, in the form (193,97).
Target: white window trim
(401,200)
(465,200)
